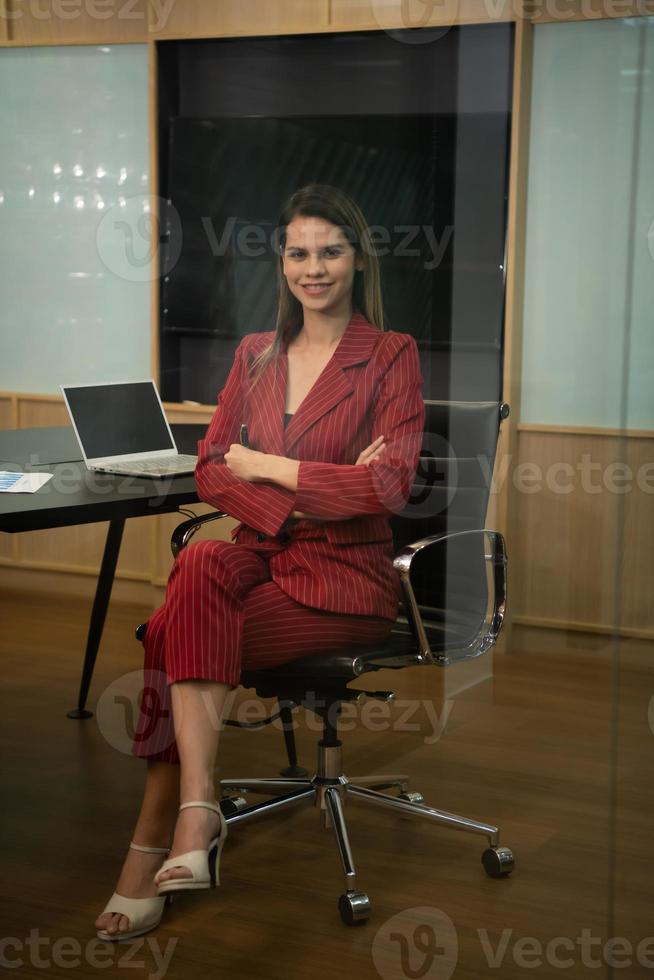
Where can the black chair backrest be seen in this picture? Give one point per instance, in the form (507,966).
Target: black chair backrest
(451,493)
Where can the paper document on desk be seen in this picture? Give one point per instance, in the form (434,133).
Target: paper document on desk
(22,482)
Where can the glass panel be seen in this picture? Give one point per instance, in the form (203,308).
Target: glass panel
(577,250)
(632,860)
(580,555)
(74,254)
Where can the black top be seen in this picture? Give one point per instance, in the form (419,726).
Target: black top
(287,416)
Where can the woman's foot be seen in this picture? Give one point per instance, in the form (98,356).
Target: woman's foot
(196,827)
(136,881)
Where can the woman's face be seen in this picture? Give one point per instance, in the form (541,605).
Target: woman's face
(319,265)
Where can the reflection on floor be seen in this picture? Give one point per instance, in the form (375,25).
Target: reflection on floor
(555,748)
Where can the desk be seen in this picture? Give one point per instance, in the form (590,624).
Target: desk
(76,495)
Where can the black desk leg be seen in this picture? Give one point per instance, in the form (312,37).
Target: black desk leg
(99,613)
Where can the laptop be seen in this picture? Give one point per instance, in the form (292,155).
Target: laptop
(121,428)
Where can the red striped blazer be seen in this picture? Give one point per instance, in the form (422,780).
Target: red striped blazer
(371,386)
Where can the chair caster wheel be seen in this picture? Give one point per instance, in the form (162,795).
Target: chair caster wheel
(231,805)
(412,797)
(498,862)
(354,908)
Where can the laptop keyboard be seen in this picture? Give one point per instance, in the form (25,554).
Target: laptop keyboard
(170,465)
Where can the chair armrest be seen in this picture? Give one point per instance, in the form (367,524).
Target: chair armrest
(494,554)
(184,532)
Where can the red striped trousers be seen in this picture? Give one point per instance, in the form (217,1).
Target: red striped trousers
(223,613)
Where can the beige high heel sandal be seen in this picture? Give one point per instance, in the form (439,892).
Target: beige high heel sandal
(144,914)
(203,865)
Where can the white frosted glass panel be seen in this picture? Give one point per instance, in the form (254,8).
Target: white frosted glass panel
(578,228)
(73,153)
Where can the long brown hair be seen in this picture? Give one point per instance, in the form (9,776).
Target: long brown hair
(333,205)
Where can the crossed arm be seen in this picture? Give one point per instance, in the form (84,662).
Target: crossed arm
(254,466)
(263,490)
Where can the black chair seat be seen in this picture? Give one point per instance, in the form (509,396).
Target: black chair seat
(398,650)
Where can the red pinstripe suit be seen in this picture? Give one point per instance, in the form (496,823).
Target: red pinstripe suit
(288,586)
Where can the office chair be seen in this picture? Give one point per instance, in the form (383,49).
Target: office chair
(453,578)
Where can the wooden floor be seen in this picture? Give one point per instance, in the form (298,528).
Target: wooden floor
(556,749)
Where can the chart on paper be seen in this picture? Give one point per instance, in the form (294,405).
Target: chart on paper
(22,482)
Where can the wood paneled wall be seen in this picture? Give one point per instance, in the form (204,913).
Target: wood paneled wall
(582,534)
(75,21)
(206,18)
(8,413)
(390,15)
(133,21)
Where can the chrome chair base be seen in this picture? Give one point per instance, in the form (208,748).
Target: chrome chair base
(329,790)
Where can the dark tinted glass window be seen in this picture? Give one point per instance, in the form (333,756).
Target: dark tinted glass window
(417,133)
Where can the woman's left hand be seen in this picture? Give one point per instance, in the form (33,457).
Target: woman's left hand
(248,464)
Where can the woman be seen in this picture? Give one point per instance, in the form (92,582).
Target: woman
(335,417)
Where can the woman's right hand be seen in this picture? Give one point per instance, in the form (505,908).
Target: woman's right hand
(371,452)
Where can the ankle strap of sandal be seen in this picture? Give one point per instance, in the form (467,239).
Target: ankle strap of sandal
(210,806)
(149,850)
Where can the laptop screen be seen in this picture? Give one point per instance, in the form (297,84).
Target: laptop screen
(117,419)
